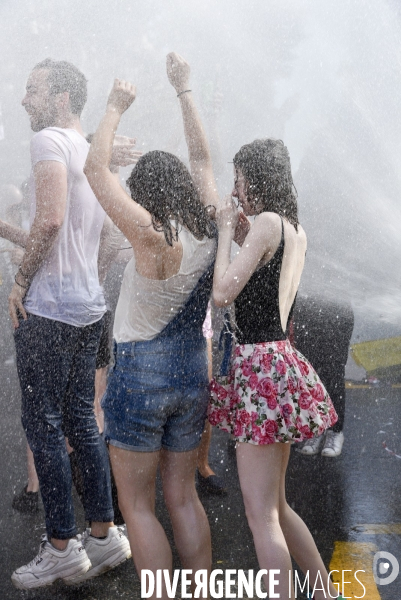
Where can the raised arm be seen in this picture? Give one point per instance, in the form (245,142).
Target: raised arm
(111,238)
(200,160)
(13,234)
(133,220)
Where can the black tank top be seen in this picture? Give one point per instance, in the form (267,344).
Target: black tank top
(257,309)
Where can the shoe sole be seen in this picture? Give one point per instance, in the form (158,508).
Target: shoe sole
(100,569)
(332,455)
(302,451)
(39,583)
(20,586)
(317,451)
(308,453)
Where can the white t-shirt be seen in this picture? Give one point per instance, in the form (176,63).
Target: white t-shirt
(146,306)
(66,286)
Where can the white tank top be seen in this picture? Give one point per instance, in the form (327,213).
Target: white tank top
(146,306)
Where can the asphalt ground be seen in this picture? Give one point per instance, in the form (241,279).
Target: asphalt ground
(350,503)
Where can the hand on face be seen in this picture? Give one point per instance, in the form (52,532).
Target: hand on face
(242,229)
(121,96)
(227,214)
(178,71)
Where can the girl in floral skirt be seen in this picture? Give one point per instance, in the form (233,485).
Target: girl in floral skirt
(272,395)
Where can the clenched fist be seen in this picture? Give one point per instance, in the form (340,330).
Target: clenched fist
(121,96)
(178,71)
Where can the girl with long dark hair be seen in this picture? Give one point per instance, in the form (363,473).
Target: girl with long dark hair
(272,396)
(157,395)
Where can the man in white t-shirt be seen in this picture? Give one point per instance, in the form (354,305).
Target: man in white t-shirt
(56,306)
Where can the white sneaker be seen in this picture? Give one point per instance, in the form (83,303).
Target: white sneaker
(105,554)
(312,446)
(333,444)
(51,564)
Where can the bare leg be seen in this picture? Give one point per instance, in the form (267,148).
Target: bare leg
(33,481)
(300,541)
(203,452)
(260,469)
(100,388)
(135,476)
(188,518)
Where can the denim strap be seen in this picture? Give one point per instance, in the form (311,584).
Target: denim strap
(189,319)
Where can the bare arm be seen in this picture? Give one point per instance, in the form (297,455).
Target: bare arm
(133,220)
(111,236)
(198,148)
(51,197)
(113,248)
(261,241)
(107,251)
(13,234)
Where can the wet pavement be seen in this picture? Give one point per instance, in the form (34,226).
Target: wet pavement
(351,503)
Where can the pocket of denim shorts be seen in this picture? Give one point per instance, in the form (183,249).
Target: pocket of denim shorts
(149,405)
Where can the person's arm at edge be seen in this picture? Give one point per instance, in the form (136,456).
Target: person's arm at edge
(51,196)
(13,234)
(108,251)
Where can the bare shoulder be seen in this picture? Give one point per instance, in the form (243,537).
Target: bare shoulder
(268,220)
(267,224)
(302,239)
(266,228)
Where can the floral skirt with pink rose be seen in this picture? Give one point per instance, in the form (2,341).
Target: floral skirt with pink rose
(272,394)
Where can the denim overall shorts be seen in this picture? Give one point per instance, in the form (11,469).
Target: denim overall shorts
(158,390)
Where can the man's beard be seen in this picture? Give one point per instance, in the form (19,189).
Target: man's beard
(44,119)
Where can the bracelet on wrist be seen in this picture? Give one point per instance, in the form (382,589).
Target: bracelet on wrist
(25,287)
(26,279)
(183,92)
(20,271)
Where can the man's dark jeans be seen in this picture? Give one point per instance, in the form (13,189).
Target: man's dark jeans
(56,368)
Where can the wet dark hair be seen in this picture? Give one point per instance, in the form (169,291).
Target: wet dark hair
(266,167)
(65,77)
(162,184)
